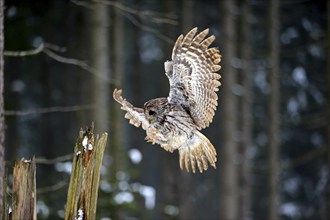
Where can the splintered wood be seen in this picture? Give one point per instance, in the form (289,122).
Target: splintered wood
(85,176)
(24,190)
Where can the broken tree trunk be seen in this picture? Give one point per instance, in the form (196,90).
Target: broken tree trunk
(85,176)
(24,190)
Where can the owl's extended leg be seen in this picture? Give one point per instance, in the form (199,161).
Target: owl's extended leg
(154,136)
(164,146)
(149,139)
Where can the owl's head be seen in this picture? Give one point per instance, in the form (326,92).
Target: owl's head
(154,109)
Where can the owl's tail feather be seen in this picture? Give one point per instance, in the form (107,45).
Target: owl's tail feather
(198,150)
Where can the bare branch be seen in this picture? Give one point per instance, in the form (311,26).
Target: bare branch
(49,49)
(147,29)
(67,60)
(52,188)
(45,161)
(25,52)
(81,64)
(305,158)
(49,110)
(147,15)
(295,162)
(42,160)
(152,16)
(55,47)
(83,3)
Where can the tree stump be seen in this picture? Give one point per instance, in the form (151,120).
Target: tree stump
(24,190)
(85,176)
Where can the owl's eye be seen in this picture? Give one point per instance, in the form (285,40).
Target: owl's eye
(151,112)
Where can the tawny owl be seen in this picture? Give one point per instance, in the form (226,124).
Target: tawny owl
(174,122)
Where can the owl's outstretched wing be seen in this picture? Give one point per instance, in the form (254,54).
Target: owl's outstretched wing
(133,114)
(192,76)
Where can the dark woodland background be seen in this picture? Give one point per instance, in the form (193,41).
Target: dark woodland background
(270,129)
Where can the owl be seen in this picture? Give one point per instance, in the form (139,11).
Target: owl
(175,122)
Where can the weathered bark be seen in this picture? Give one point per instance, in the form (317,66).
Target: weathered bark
(85,175)
(24,190)
(273,109)
(2,118)
(228,171)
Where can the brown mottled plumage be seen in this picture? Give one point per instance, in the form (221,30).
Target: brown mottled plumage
(174,122)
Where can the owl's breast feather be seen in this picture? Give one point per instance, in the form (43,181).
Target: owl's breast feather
(167,139)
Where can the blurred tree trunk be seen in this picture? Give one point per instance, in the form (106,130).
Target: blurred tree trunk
(187,15)
(132,84)
(2,118)
(99,56)
(168,184)
(187,181)
(133,89)
(246,117)
(118,59)
(327,212)
(273,109)
(227,166)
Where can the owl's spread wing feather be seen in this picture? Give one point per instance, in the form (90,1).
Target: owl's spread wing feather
(192,76)
(133,114)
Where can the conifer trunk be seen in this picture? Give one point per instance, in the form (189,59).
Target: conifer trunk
(273,109)
(2,118)
(246,118)
(228,153)
(99,55)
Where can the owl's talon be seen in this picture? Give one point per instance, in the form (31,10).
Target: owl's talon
(149,139)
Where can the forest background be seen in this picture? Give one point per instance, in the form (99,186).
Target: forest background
(271,130)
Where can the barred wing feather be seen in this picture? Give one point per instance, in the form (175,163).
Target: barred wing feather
(192,76)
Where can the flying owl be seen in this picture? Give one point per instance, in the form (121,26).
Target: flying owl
(174,122)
